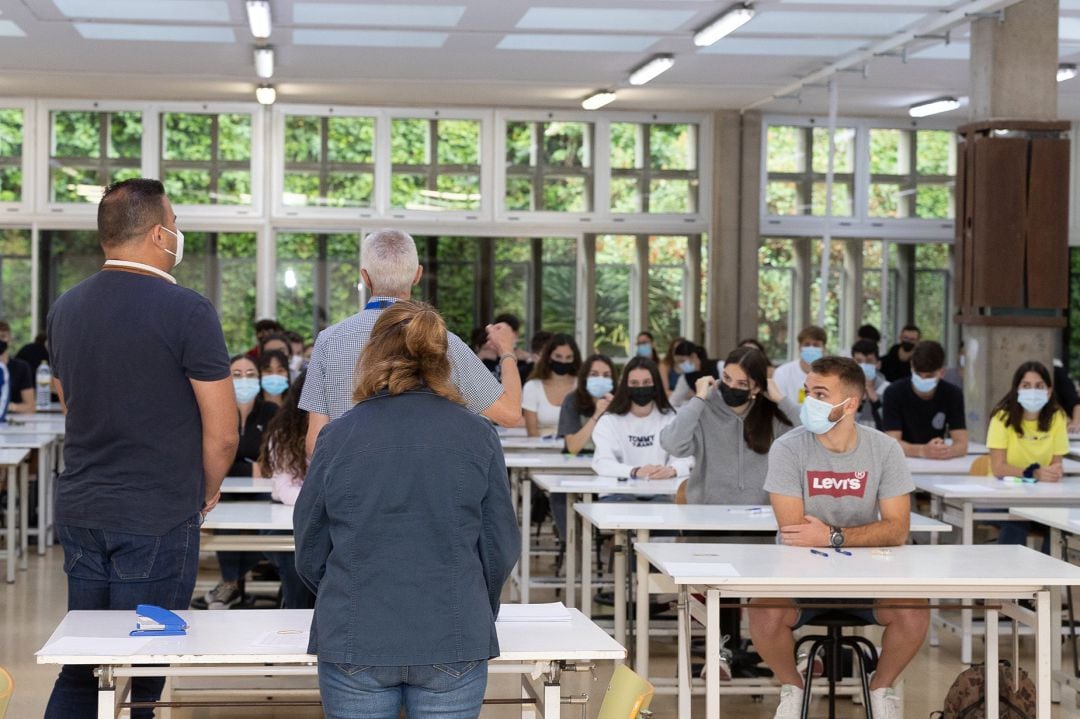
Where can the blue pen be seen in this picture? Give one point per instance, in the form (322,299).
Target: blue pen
(844,551)
(819,553)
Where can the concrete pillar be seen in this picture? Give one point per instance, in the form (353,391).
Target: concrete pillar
(586,293)
(751,172)
(691,319)
(851,301)
(724,296)
(639,299)
(905,287)
(805,272)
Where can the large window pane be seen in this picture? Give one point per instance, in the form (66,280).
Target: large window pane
(549,166)
(221,267)
(511,281)
(206,158)
(449,279)
(615,259)
(11,152)
(775,295)
(797,162)
(834,292)
(435,164)
(15,271)
(932,284)
(558,298)
(67,258)
(654,168)
(912,173)
(90,150)
(668,282)
(329,161)
(317,280)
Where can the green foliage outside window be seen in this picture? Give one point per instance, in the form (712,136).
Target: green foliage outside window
(221,267)
(15,271)
(912,173)
(91,150)
(797,161)
(654,167)
(11,144)
(548,166)
(776,259)
(342,175)
(615,259)
(435,164)
(206,158)
(306,302)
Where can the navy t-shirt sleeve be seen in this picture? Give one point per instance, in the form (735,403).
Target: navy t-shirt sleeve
(21,378)
(204,357)
(954,408)
(891,418)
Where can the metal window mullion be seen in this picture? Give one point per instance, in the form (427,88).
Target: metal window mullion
(213,270)
(324,157)
(539,158)
(433,160)
(535,274)
(103,148)
(646,167)
(321,279)
(215,146)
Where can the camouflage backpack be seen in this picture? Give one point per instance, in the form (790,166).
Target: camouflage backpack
(967,695)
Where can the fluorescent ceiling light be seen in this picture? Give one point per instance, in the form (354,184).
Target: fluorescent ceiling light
(265,94)
(258,12)
(652,69)
(1066,71)
(264,62)
(598,100)
(934,107)
(732,19)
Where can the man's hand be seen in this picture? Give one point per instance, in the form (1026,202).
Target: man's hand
(814,533)
(772,391)
(703,385)
(1052,473)
(502,337)
(211,502)
(937,449)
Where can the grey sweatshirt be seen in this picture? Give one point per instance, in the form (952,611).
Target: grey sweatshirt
(725,471)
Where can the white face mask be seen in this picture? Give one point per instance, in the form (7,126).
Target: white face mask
(179,254)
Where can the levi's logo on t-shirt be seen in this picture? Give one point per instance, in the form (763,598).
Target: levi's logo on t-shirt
(835,484)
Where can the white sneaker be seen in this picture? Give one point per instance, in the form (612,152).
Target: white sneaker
(224,596)
(885,704)
(791,699)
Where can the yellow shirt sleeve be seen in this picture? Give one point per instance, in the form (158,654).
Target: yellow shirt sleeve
(1059,435)
(997,434)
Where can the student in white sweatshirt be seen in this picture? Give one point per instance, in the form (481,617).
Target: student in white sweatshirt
(627,437)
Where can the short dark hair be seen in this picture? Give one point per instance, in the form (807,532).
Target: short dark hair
(869,332)
(687,348)
(865,347)
(813,332)
(295,337)
(911,328)
(510,319)
(268,325)
(128,209)
(538,341)
(845,369)
(928,356)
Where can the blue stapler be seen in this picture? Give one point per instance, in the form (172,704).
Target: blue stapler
(153,621)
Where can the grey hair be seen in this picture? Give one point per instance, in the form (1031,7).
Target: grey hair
(389,257)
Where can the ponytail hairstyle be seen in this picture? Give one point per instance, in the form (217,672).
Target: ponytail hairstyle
(406,351)
(758,423)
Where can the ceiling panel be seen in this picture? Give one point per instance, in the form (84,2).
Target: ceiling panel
(599,18)
(828,23)
(369,38)
(578,43)
(397,15)
(8,28)
(188,10)
(154,33)
(781,46)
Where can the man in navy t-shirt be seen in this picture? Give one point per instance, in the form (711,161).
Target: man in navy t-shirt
(151,426)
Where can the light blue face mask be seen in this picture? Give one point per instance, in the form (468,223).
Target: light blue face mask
(1032,400)
(869,370)
(814,415)
(811,354)
(245,388)
(686,367)
(274,384)
(645,350)
(599,386)
(923,384)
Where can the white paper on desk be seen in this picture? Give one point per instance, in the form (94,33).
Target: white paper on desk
(967,487)
(700,569)
(750,510)
(553,612)
(95,646)
(284,639)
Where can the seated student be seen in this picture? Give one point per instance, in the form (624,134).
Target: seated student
(669,366)
(296,354)
(580,412)
(524,361)
(273,376)
(920,410)
(537,343)
(865,352)
(1067,398)
(275,342)
(283,458)
(405,530)
(263,329)
(728,429)
(1027,437)
(553,377)
(627,437)
(868,332)
(896,364)
(868,506)
(693,362)
(753,342)
(645,346)
(791,376)
(21,384)
(35,352)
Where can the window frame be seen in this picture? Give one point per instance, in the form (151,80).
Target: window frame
(25,205)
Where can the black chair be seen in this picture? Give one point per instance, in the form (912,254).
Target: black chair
(831,645)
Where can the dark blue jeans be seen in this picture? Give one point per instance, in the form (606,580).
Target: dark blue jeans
(439,691)
(115,570)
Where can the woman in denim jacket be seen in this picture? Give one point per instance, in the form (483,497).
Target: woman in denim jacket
(405,531)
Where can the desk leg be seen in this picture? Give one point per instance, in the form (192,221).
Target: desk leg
(10,542)
(50,495)
(1043,654)
(992,707)
(106,697)
(934,612)
(586,562)
(621,541)
(570,553)
(526,537)
(24,513)
(641,613)
(965,614)
(1055,618)
(712,652)
(684,653)
(552,700)
(43,498)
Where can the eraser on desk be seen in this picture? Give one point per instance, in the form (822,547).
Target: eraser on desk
(881,553)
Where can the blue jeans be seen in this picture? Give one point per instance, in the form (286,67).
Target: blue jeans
(294,593)
(115,570)
(439,691)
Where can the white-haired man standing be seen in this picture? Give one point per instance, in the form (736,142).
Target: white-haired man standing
(389,267)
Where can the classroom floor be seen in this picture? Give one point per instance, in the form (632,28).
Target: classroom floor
(31,608)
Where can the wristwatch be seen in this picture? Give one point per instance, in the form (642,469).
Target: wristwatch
(836,537)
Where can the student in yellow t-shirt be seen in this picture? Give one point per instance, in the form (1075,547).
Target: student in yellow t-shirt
(1028,437)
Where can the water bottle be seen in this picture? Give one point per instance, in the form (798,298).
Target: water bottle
(44,386)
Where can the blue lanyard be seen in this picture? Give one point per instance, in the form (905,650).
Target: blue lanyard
(378,304)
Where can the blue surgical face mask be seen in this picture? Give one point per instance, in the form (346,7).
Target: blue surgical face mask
(923,384)
(1032,400)
(686,367)
(245,388)
(599,386)
(869,370)
(274,384)
(811,354)
(644,350)
(814,415)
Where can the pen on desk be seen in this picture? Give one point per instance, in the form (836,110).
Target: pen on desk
(844,551)
(819,553)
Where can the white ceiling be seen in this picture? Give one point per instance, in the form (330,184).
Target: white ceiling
(518,53)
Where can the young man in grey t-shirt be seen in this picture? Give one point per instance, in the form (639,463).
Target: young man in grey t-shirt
(834,483)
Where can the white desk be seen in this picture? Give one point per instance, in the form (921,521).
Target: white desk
(588,487)
(531,444)
(977,448)
(17,471)
(40,422)
(962,465)
(645,518)
(252,517)
(45,445)
(521,466)
(247,485)
(1005,573)
(233,644)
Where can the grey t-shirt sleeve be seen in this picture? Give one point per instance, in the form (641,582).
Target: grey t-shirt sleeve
(895,475)
(569,419)
(472,378)
(314,397)
(785,470)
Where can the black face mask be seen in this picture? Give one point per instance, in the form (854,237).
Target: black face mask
(907,346)
(734,397)
(641,396)
(562,368)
